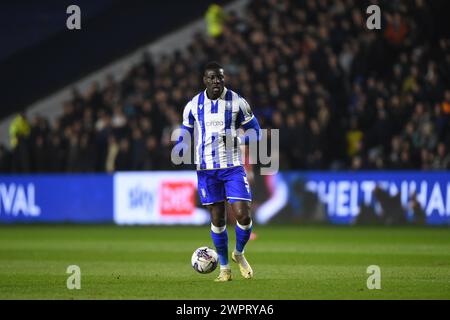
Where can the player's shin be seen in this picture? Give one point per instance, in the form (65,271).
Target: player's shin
(219,236)
(243,233)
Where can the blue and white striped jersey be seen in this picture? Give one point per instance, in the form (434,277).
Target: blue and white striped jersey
(212,120)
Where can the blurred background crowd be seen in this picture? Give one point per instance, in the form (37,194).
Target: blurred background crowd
(344,97)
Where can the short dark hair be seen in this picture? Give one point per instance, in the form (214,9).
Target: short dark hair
(212,65)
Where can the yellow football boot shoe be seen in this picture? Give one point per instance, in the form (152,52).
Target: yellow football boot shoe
(224,275)
(244,266)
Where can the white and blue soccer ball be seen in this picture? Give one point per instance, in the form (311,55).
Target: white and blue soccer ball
(204,260)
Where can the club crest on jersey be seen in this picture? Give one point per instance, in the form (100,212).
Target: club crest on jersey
(228,105)
(200,106)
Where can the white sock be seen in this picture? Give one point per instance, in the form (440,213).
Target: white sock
(218,229)
(227,266)
(246,227)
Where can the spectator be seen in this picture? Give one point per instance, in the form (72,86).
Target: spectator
(57,150)
(5,159)
(305,67)
(396,30)
(442,159)
(18,128)
(123,160)
(41,155)
(152,156)
(73,159)
(137,149)
(354,137)
(215,17)
(87,154)
(113,150)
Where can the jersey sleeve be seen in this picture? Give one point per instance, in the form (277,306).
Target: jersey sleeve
(245,114)
(188,118)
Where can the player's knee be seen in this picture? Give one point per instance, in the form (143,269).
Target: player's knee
(217,215)
(243,215)
(218,221)
(244,220)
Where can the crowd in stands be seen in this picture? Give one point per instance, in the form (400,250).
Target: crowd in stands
(344,97)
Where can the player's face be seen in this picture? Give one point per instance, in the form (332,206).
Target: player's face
(214,81)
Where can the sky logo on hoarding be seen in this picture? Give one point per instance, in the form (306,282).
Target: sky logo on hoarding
(16,199)
(140,198)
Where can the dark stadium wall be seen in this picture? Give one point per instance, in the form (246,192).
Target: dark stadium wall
(66,56)
(26,23)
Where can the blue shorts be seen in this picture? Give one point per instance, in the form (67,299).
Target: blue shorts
(223,184)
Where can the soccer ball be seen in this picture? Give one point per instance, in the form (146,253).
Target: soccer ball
(204,260)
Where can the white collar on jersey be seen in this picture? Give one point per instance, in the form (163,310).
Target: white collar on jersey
(222,96)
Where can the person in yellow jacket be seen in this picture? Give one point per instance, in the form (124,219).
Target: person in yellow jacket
(215,17)
(18,127)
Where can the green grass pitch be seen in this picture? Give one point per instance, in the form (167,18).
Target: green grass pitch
(290,262)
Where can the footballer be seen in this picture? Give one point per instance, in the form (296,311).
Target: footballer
(216,114)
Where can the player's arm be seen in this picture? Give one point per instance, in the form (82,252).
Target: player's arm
(248,121)
(186,128)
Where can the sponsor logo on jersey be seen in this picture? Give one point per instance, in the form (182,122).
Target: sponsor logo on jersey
(214,123)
